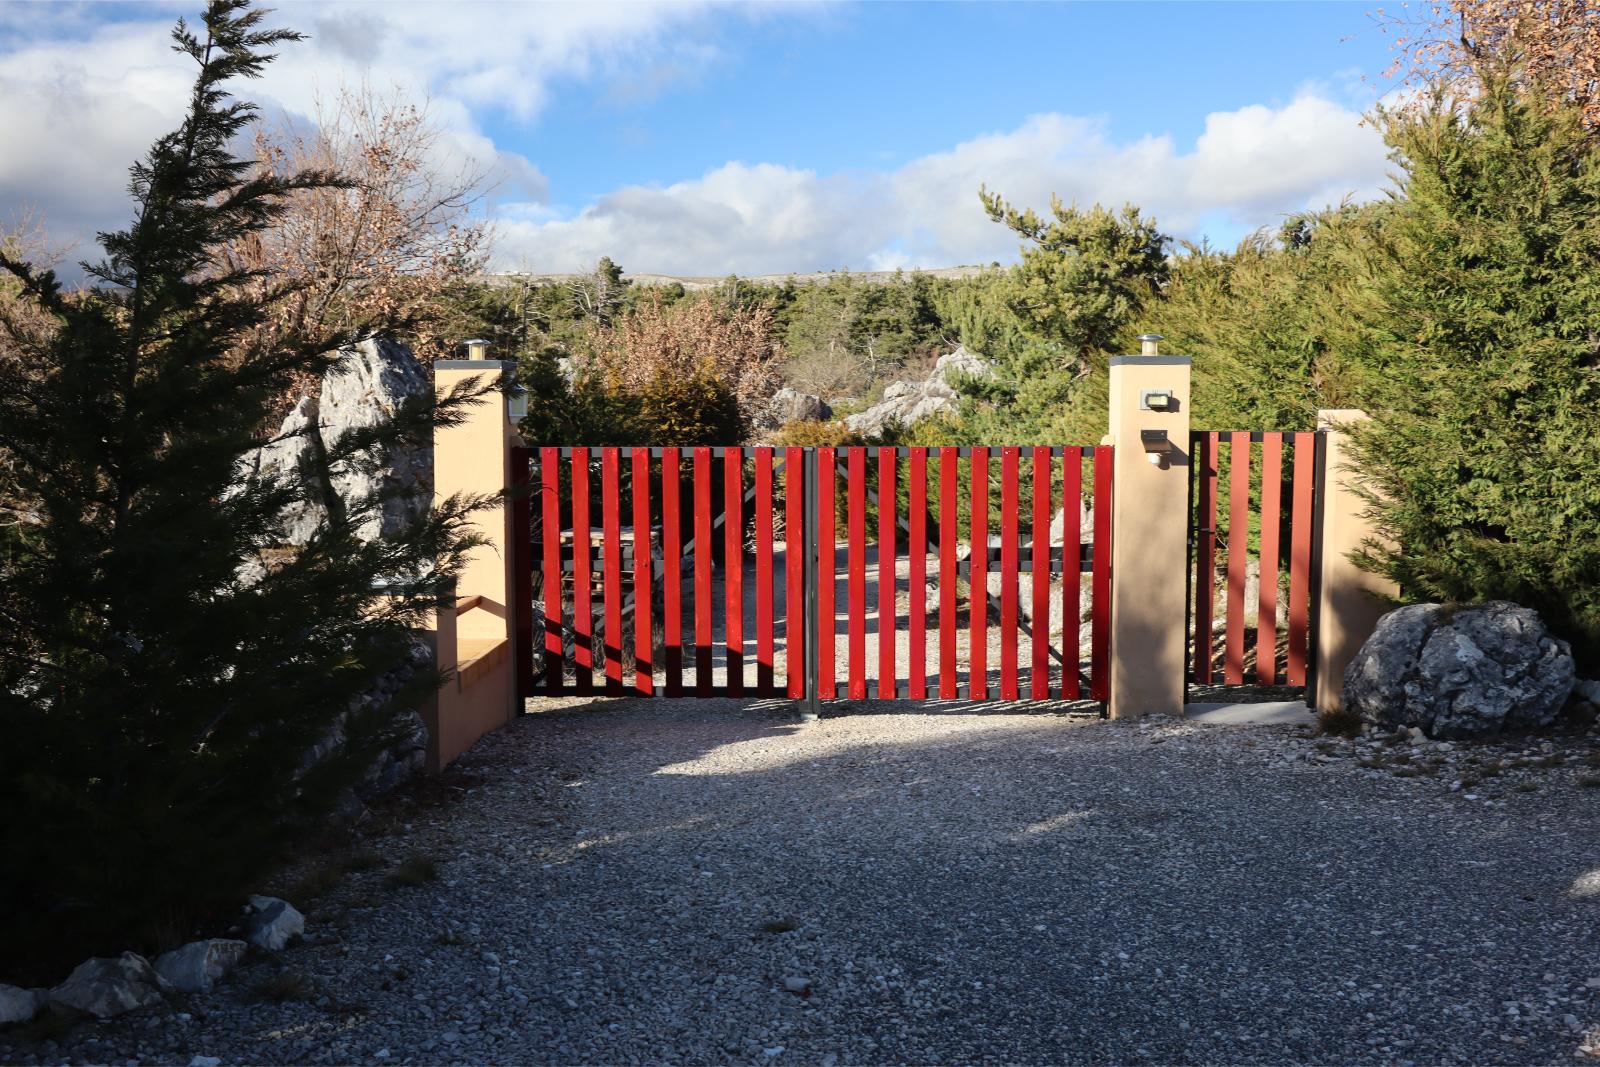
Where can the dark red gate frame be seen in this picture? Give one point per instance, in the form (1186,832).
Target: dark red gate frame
(810,546)
(1306,475)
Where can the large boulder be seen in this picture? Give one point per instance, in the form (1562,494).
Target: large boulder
(907,403)
(104,986)
(1459,672)
(365,387)
(197,966)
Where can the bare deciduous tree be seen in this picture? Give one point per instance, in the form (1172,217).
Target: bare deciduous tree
(1554,43)
(386,246)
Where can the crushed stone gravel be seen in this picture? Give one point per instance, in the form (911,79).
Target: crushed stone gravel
(636,881)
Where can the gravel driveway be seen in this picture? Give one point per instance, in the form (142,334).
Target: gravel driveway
(636,882)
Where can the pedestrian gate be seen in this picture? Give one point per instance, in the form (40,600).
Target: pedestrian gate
(814,573)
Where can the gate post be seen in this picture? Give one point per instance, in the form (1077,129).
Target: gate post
(1149,424)
(473,638)
(1349,600)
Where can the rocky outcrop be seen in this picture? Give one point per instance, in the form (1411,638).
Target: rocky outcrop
(791,405)
(402,755)
(365,388)
(104,987)
(1459,672)
(907,403)
(197,966)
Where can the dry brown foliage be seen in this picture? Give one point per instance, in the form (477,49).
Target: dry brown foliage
(696,337)
(25,329)
(1552,43)
(383,251)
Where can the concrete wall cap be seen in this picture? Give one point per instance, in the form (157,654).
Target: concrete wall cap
(1150,361)
(473,364)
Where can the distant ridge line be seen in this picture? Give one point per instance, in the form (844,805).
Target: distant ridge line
(691,282)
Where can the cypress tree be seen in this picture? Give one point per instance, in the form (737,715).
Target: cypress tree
(165,664)
(1484,372)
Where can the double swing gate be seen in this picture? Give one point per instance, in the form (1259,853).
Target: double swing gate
(814,573)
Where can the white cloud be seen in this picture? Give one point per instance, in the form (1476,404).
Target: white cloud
(83,97)
(1246,169)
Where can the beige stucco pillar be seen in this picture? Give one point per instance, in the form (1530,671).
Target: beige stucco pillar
(474,458)
(1351,599)
(1149,551)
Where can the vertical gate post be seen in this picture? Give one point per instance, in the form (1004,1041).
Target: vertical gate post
(1149,424)
(1348,601)
(811,703)
(473,638)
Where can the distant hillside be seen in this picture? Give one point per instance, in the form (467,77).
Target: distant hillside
(870,277)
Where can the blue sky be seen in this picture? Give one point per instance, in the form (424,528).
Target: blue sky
(694,138)
(879,84)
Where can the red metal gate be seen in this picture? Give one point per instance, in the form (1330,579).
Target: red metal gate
(673,526)
(1272,521)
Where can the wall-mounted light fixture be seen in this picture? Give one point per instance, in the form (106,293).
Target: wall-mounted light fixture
(1156,446)
(517,401)
(1157,400)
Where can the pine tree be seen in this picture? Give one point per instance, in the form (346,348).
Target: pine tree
(1080,287)
(165,665)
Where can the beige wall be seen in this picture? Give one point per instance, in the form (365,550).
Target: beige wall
(1149,540)
(1350,605)
(474,458)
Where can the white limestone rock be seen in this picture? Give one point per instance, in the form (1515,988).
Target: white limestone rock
(197,966)
(272,923)
(105,987)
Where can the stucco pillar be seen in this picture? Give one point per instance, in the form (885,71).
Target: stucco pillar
(1149,423)
(474,458)
(1351,599)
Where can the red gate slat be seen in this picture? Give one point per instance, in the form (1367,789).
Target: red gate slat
(1238,552)
(763,522)
(794,631)
(887,504)
(1072,573)
(978,579)
(1300,556)
(671,572)
(611,506)
(948,532)
(1039,538)
(522,549)
(550,469)
(733,567)
(582,575)
(827,572)
(702,571)
(1100,628)
(643,646)
(1008,573)
(1267,599)
(856,484)
(1205,586)
(917,619)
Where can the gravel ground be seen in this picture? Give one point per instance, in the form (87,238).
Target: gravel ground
(638,881)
